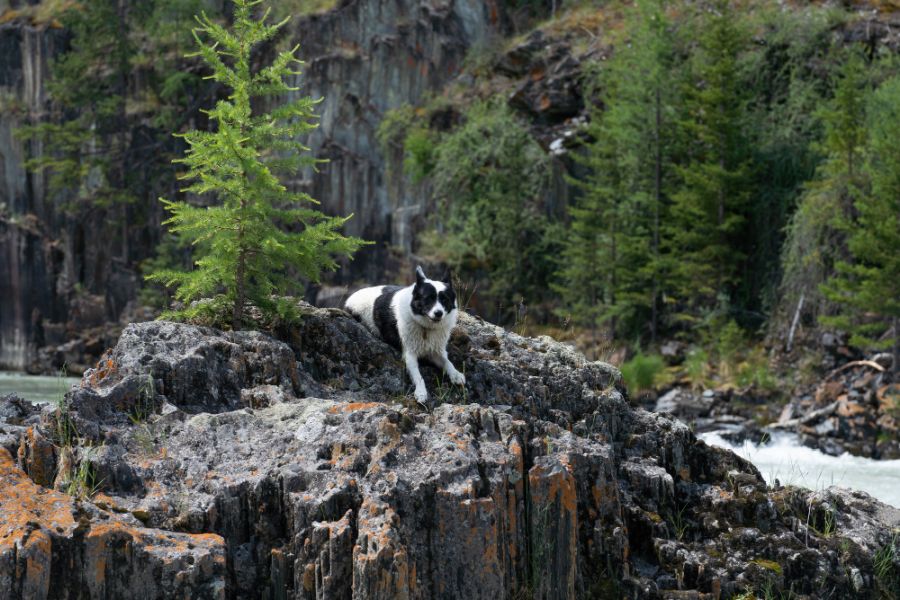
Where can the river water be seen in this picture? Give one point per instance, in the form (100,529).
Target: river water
(35,388)
(783,458)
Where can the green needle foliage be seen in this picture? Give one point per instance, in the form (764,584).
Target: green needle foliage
(709,211)
(248,242)
(868,286)
(610,274)
(816,238)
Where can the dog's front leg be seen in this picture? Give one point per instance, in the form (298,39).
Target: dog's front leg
(412,366)
(443,361)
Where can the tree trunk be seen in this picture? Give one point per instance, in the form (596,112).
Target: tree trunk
(123,68)
(238,313)
(613,278)
(657,198)
(895,367)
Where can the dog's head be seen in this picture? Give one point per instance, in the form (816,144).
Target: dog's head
(433,300)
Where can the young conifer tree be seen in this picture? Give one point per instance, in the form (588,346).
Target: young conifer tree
(867,287)
(256,231)
(709,210)
(611,272)
(817,234)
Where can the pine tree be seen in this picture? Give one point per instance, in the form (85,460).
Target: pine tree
(611,269)
(709,209)
(867,287)
(256,230)
(816,238)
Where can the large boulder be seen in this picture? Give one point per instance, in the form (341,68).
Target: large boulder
(301,461)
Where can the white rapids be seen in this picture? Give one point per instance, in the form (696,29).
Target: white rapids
(783,458)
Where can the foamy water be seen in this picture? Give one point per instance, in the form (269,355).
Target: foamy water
(791,463)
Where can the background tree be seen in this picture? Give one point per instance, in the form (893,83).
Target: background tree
(611,264)
(709,208)
(816,238)
(121,76)
(867,286)
(490,177)
(787,80)
(256,231)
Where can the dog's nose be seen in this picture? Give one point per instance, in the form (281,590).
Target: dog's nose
(438,314)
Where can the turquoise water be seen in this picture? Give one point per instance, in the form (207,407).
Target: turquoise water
(35,388)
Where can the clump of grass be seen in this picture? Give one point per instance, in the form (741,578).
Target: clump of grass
(829,522)
(696,368)
(887,576)
(81,481)
(680,523)
(64,426)
(754,371)
(642,372)
(143,407)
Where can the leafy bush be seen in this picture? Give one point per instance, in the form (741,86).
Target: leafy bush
(489,177)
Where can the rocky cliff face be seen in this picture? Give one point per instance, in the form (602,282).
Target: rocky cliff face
(245,465)
(364,58)
(31,262)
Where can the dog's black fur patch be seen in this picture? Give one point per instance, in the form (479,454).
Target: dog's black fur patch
(423,298)
(384,316)
(448,297)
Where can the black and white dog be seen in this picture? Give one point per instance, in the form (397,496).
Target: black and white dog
(417,320)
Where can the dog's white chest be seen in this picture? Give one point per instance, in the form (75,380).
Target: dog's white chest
(422,341)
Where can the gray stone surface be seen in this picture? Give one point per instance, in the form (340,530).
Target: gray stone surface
(298,458)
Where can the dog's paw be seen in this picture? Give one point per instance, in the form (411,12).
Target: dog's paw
(421,395)
(457,378)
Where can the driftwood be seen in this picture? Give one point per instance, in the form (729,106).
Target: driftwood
(856,363)
(822,412)
(795,322)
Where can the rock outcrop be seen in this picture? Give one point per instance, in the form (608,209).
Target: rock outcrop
(294,465)
(855,409)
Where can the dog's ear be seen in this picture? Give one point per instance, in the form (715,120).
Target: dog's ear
(448,278)
(420,275)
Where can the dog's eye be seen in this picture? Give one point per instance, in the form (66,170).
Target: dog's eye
(447,299)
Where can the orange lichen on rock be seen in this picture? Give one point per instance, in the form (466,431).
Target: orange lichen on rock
(353,407)
(37,457)
(25,506)
(39,526)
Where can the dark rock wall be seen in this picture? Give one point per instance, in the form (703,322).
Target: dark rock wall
(31,262)
(363,58)
(366,58)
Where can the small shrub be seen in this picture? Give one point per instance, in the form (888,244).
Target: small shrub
(642,372)
(729,344)
(418,161)
(696,368)
(754,370)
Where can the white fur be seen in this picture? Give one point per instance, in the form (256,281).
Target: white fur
(362,304)
(420,336)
